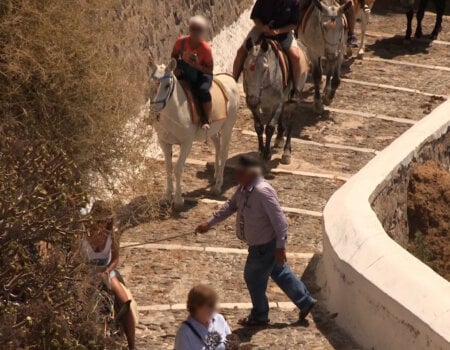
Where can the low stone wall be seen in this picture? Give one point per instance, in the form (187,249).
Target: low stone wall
(384,296)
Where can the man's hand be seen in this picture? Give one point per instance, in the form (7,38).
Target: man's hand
(280,256)
(273,32)
(202,228)
(266,29)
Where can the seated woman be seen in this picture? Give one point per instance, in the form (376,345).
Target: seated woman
(204,329)
(195,64)
(102,249)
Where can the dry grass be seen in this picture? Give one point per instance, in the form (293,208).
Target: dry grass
(65,104)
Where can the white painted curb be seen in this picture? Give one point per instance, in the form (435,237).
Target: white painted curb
(384,296)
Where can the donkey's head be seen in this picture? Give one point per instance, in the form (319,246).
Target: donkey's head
(257,68)
(164,78)
(332,25)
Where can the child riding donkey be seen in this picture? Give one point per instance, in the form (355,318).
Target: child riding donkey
(195,65)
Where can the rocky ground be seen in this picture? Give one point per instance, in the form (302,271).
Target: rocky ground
(160,276)
(429,216)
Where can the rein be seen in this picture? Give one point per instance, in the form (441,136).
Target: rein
(172,89)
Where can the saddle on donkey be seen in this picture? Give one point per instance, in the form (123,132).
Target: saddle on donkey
(219,101)
(285,63)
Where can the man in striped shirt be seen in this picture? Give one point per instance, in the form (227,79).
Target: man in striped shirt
(261,223)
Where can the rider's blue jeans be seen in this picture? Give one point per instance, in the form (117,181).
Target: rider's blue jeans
(259,267)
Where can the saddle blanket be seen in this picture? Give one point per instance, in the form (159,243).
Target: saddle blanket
(219,101)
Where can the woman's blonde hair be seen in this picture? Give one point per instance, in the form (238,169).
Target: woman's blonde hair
(199,296)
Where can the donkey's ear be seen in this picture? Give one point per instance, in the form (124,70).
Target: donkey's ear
(318,4)
(172,65)
(265,46)
(249,44)
(345,7)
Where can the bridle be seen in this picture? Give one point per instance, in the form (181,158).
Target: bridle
(339,42)
(267,76)
(164,100)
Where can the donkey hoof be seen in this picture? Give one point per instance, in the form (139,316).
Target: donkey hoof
(326,100)
(348,52)
(166,199)
(267,156)
(286,159)
(216,190)
(178,204)
(279,142)
(360,54)
(318,107)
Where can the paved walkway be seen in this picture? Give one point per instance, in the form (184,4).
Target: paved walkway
(379,99)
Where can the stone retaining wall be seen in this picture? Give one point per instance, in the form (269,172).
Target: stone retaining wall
(384,296)
(390,203)
(150,27)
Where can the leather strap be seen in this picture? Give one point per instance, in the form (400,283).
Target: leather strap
(187,323)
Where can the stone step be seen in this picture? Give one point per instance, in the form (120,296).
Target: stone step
(158,329)
(165,277)
(305,231)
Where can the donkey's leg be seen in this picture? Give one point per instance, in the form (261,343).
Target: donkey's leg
(185,149)
(420,14)
(270,130)
(440,9)
(279,141)
(288,117)
(317,76)
(259,128)
(218,164)
(364,21)
(326,97)
(409,19)
(222,153)
(336,81)
(167,150)
(216,142)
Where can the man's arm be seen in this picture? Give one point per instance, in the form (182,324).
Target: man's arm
(272,208)
(285,29)
(228,209)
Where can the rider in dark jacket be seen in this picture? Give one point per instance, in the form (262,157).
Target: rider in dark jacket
(276,19)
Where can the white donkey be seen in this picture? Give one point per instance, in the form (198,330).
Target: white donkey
(175,126)
(363,16)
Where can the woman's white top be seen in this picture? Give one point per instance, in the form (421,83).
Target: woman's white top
(102,258)
(213,337)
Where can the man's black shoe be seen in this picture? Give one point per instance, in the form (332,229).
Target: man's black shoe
(304,313)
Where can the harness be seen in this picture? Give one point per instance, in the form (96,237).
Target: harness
(171,90)
(341,37)
(266,73)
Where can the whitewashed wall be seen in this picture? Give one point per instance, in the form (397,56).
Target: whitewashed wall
(385,297)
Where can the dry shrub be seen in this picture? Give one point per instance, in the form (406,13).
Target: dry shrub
(65,102)
(43,298)
(59,75)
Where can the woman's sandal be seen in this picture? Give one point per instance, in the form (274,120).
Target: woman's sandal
(251,322)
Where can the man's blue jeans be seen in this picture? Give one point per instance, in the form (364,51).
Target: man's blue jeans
(259,267)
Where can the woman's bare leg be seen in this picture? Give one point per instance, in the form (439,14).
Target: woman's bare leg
(128,324)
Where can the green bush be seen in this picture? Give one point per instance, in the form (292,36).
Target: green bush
(64,103)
